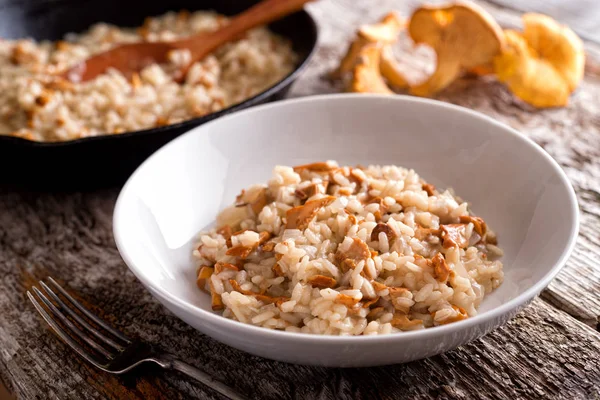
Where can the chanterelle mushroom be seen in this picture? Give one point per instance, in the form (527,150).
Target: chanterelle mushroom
(542,65)
(390,69)
(299,217)
(366,77)
(384,32)
(462,35)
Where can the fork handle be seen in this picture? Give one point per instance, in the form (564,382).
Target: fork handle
(167,361)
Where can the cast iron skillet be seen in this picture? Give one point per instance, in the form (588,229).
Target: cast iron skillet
(108,160)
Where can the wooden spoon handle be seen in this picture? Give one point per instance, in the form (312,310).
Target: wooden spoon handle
(262,13)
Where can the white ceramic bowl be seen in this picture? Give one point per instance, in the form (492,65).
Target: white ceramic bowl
(510,181)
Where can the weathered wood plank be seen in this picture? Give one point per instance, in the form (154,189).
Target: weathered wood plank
(542,353)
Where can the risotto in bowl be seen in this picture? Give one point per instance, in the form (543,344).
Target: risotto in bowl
(347,230)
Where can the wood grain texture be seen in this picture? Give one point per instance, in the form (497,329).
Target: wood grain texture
(543,353)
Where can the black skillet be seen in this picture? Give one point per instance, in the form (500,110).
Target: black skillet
(108,160)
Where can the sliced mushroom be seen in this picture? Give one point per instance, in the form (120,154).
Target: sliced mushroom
(221,266)
(478,223)
(215,299)
(378,286)
(422,233)
(386,229)
(370,302)
(244,251)
(402,322)
(268,247)
(453,235)
(429,188)
(461,314)
(375,313)
(322,281)
(346,300)
(308,191)
(204,274)
(358,251)
(277,270)
(258,200)
(441,269)
(299,217)
(225,231)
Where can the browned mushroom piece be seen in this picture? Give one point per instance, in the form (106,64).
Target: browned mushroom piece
(239,198)
(221,266)
(225,231)
(322,281)
(268,247)
(216,302)
(346,300)
(299,217)
(242,251)
(453,235)
(368,303)
(422,233)
(429,188)
(385,228)
(402,322)
(301,194)
(258,200)
(308,191)
(461,314)
(441,270)
(204,274)
(375,313)
(478,223)
(378,286)
(358,251)
(277,270)
(352,219)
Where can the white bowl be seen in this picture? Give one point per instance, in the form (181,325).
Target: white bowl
(510,181)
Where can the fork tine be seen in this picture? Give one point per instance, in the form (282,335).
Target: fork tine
(72,326)
(80,320)
(61,333)
(88,314)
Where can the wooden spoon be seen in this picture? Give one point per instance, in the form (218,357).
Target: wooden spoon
(133,57)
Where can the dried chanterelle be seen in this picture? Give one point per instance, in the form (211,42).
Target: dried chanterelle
(543,64)
(462,35)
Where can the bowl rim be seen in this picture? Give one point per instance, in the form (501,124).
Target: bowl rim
(208,317)
(288,79)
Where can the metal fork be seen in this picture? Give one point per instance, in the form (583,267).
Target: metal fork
(116,354)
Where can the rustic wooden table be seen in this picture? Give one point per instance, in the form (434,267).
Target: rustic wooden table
(550,350)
